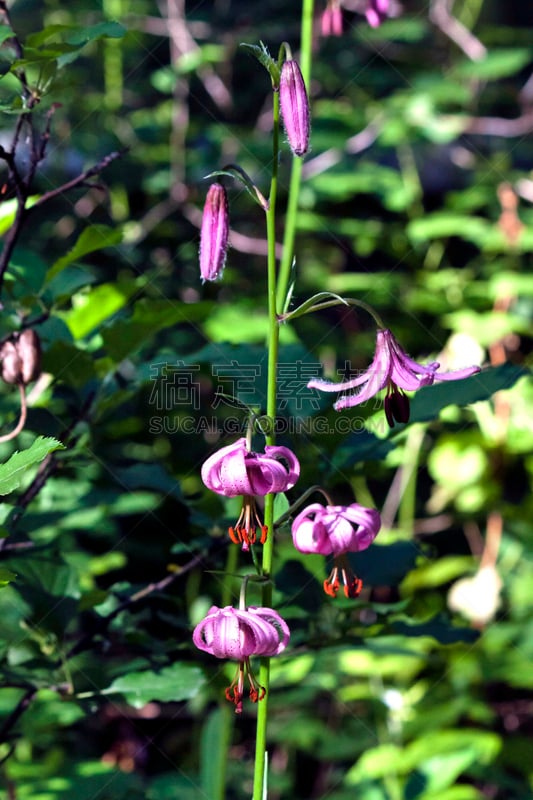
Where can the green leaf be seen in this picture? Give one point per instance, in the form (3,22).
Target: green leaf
(429,401)
(386,564)
(496,64)
(6,576)
(95,237)
(214,745)
(68,364)
(95,307)
(443,224)
(126,335)
(88,33)
(46,573)
(170,684)
(8,208)
(16,468)
(5,33)
(439,628)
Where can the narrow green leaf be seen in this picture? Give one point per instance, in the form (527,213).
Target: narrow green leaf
(14,470)
(214,752)
(93,238)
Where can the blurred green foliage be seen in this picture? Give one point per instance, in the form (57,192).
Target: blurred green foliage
(417,199)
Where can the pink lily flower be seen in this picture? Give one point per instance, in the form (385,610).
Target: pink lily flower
(394,369)
(239,634)
(234,470)
(336,530)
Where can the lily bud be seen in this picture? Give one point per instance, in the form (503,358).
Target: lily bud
(214,233)
(331,20)
(294,107)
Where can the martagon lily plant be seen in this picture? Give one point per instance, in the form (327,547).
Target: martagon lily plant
(255,468)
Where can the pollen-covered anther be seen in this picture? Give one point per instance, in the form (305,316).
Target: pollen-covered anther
(332,584)
(352,586)
(245,529)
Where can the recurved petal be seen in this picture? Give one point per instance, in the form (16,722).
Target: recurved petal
(366,522)
(276,623)
(225,472)
(457,374)
(309,534)
(283,454)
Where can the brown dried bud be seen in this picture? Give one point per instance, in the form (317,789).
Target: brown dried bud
(10,363)
(29,350)
(20,358)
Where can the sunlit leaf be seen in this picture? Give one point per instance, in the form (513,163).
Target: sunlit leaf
(13,472)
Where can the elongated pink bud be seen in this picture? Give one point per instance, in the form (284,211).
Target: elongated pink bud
(331,20)
(214,233)
(294,107)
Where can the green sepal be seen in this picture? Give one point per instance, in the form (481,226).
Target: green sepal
(263,56)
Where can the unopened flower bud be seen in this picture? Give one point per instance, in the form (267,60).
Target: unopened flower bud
(294,107)
(214,233)
(331,20)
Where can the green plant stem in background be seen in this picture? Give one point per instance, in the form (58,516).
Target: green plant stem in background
(407,507)
(296,170)
(113,66)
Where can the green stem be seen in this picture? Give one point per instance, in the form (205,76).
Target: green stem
(296,170)
(268,547)
(276,296)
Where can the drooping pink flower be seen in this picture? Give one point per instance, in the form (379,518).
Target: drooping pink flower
(214,233)
(331,19)
(394,370)
(335,531)
(237,635)
(294,105)
(377,12)
(234,470)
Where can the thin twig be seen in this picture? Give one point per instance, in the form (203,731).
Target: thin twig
(440,14)
(22,418)
(17,712)
(79,180)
